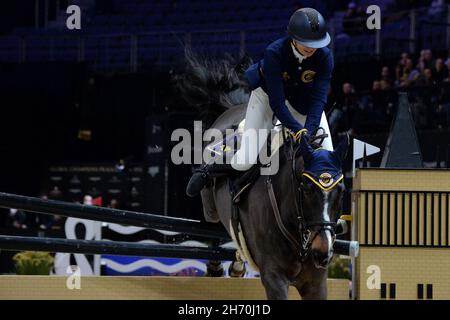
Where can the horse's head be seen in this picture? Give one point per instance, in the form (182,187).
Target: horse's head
(321,192)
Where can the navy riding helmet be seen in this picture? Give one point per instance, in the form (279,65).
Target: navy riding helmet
(308,27)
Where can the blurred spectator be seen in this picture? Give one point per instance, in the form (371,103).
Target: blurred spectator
(379,113)
(440,71)
(442,116)
(425,60)
(401,66)
(385,84)
(58,221)
(409,75)
(443,109)
(21,219)
(45,221)
(403,57)
(447,64)
(377,104)
(113,204)
(437,7)
(88,200)
(353,22)
(426,78)
(347,110)
(428,94)
(386,76)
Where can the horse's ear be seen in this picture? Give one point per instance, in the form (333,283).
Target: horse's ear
(342,148)
(305,148)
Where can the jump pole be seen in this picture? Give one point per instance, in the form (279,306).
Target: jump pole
(132,218)
(14,243)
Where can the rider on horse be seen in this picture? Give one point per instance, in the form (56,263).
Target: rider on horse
(290,83)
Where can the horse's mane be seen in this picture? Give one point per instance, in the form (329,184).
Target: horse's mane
(212,85)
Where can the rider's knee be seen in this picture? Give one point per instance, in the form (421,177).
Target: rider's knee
(241,166)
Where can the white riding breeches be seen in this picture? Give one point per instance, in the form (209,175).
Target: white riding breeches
(259,116)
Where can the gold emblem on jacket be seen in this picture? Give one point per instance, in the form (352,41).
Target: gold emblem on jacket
(307,76)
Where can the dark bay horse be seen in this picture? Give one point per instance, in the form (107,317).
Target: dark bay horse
(296,248)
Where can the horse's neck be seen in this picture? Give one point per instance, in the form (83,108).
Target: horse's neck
(287,194)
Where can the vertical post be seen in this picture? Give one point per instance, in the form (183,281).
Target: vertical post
(448,26)
(81,42)
(97,236)
(333,36)
(36,14)
(107,51)
(438,157)
(23,50)
(412,31)
(355,237)
(46,8)
(447,156)
(133,53)
(159,48)
(242,44)
(166,187)
(378,47)
(52,48)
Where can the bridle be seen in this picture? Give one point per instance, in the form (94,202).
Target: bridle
(308,230)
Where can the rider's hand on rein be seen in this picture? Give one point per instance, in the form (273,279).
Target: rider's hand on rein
(298,135)
(314,140)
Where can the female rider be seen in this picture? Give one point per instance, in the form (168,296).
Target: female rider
(290,83)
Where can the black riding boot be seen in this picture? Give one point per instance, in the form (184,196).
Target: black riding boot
(202,176)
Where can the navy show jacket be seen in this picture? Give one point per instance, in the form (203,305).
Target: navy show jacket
(304,85)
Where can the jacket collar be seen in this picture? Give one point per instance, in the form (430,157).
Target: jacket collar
(297,54)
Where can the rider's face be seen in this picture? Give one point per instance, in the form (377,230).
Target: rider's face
(305,51)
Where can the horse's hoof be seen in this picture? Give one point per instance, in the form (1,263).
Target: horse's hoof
(237,269)
(214,269)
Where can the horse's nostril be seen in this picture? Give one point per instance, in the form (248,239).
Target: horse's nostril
(321,259)
(320,256)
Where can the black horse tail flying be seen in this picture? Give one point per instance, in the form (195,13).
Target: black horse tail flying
(213,85)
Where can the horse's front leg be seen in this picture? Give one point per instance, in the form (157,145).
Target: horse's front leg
(209,205)
(316,288)
(276,286)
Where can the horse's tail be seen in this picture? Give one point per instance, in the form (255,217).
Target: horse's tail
(213,86)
